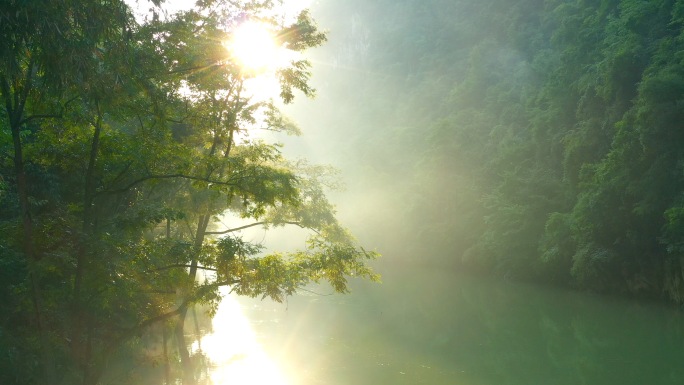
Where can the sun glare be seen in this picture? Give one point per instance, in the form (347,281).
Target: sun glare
(236,352)
(254,47)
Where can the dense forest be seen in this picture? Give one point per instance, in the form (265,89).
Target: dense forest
(538,140)
(127,169)
(532,139)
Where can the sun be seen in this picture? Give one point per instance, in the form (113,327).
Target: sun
(255,49)
(252,44)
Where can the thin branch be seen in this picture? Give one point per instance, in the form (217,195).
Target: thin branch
(315,293)
(142,126)
(235,229)
(191,69)
(223,283)
(59,115)
(25,91)
(180,265)
(167,176)
(137,329)
(40,116)
(253,225)
(121,174)
(6,94)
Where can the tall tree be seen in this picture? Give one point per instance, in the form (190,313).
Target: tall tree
(123,157)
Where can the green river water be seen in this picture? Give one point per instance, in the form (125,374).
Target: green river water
(431,326)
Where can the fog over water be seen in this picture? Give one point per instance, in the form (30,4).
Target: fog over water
(436,327)
(427,323)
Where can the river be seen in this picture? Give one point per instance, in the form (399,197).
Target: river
(432,326)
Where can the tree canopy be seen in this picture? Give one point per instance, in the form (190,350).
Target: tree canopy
(122,144)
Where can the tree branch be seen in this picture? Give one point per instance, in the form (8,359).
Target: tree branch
(137,329)
(190,69)
(180,265)
(253,225)
(40,116)
(167,176)
(159,292)
(21,103)
(49,116)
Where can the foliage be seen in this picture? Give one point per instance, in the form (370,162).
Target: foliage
(123,144)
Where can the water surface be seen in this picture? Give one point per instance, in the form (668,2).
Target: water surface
(432,326)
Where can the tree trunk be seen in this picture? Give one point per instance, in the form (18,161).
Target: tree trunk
(188,370)
(80,347)
(15,101)
(202,224)
(165,353)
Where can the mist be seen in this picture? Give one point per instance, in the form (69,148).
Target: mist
(500,197)
(374,117)
(463,132)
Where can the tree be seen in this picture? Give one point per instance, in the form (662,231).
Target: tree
(120,163)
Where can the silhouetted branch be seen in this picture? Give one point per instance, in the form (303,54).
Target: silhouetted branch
(167,176)
(180,265)
(252,225)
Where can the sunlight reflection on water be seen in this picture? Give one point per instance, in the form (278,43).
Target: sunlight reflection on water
(237,356)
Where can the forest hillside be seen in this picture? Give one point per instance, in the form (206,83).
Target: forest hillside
(531,139)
